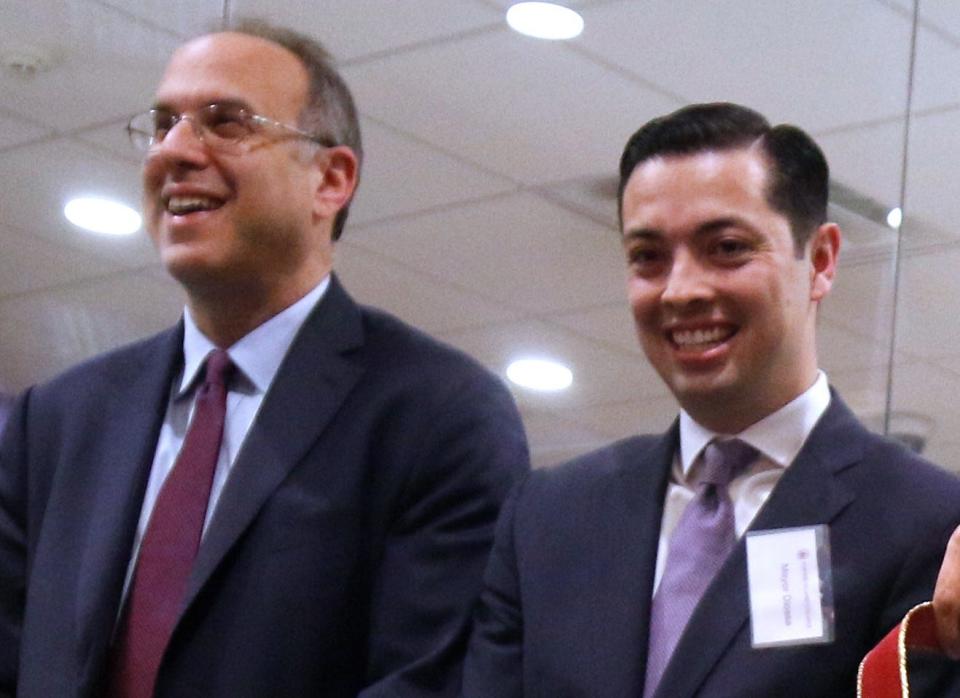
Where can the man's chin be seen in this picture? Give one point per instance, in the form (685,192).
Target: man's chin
(701,382)
(715,389)
(189,269)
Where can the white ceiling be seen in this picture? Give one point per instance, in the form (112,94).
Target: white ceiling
(485,215)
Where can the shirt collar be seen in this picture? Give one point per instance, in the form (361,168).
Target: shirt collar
(258,354)
(778,436)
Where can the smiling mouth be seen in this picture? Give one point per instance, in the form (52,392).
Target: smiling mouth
(182,205)
(701,339)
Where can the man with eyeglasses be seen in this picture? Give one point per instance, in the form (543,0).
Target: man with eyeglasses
(286,494)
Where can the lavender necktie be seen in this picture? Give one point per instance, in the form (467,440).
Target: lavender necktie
(170,542)
(700,544)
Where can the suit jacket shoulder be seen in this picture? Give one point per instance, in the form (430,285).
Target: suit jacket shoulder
(567,592)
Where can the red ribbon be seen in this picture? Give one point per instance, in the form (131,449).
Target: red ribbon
(883,672)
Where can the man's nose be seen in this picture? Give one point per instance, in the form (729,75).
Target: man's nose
(183,142)
(687,281)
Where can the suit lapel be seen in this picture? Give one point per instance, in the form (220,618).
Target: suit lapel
(313,381)
(633,558)
(129,424)
(808,493)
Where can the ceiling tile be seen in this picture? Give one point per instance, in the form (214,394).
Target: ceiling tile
(552,438)
(864,391)
(112,139)
(594,197)
(401,176)
(862,297)
(568,3)
(182,17)
(928,395)
(839,349)
(618,420)
(867,158)
(46,332)
(351,29)
(419,299)
(934,153)
(600,374)
(922,399)
(104,63)
(938,55)
(943,452)
(14,131)
(788,60)
(929,287)
(942,15)
(42,178)
(29,263)
(611,324)
(520,250)
(531,110)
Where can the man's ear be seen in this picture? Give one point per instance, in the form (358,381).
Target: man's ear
(337,179)
(824,252)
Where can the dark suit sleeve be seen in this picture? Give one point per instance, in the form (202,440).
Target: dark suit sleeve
(931,674)
(13,547)
(917,576)
(430,573)
(494,663)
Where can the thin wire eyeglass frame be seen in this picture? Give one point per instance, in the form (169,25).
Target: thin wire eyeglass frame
(143,134)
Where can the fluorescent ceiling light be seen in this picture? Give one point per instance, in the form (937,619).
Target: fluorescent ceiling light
(544,20)
(540,374)
(895,218)
(102,215)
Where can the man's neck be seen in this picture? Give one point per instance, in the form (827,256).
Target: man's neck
(226,316)
(732,414)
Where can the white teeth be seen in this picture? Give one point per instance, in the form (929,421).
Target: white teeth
(187,204)
(686,338)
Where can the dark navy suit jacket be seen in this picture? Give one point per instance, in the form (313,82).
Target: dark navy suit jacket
(566,605)
(348,545)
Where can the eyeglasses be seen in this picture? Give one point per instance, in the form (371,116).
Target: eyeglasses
(220,126)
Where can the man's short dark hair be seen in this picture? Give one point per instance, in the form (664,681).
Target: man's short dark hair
(799,175)
(330,113)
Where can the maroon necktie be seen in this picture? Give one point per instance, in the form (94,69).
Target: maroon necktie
(170,542)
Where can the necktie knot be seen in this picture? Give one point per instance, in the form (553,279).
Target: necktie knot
(724,460)
(219,368)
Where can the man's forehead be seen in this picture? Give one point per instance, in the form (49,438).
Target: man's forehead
(224,46)
(732,174)
(238,65)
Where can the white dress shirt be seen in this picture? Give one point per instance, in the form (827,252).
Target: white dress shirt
(778,438)
(257,357)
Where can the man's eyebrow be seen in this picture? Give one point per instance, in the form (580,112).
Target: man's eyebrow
(706,228)
(641,234)
(235,102)
(718,224)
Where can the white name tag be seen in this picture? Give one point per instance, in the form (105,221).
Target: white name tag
(790,584)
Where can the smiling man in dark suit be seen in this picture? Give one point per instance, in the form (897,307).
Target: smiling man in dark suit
(286,494)
(625,572)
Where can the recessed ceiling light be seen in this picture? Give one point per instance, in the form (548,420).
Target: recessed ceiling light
(544,20)
(540,374)
(895,218)
(102,215)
